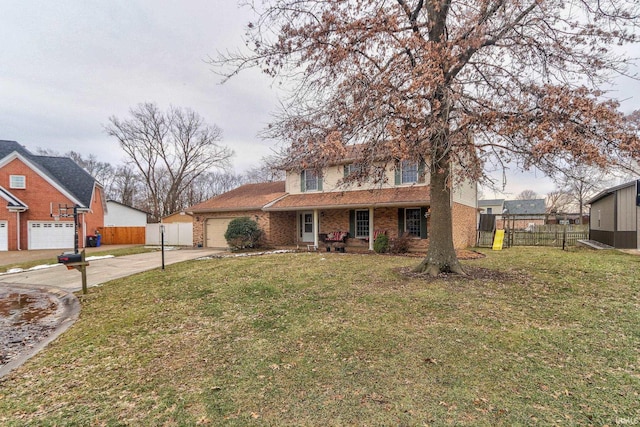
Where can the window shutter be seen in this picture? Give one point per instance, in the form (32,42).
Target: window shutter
(398,174)
(302,182)
(421,174)
(400,221)
(320,179)
(423,223)
(352,223)
(346,171)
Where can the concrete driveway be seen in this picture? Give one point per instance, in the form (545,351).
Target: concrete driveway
(101,270)
(58,283)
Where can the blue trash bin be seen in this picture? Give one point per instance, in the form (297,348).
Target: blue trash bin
(98,238)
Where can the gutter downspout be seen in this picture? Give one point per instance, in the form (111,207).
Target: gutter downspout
(18,230)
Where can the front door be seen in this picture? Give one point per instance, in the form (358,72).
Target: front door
(305,220)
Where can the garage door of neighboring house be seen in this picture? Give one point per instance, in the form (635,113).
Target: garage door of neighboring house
(216,227)
(4,236)
(51,235)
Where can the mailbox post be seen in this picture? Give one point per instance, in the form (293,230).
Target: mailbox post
(76,260)
(162,243)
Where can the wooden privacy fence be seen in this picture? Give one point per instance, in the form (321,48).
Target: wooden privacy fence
(122,235)
(557,238)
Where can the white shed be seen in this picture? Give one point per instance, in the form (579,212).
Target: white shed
(120,215)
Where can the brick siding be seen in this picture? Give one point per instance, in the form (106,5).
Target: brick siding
(281,227)
(38,195)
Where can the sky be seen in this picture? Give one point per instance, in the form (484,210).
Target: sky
(67,66)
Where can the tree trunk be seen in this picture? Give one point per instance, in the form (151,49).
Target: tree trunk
(441,255)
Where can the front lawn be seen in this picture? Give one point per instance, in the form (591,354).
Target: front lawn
(541,337)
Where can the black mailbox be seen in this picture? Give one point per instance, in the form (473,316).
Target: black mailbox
(69,258)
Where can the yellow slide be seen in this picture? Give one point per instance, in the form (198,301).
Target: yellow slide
(497,240)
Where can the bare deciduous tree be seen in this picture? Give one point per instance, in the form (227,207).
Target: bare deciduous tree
(170,150)
(558,201)
(580,182)
(527,195)
(267,171)
(455,83)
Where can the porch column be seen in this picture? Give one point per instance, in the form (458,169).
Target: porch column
(316,227)
(371,228)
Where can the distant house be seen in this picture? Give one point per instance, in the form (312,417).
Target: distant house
(41,194)
(491,206)
(615,216)
(120,215)
(523,214)
(181,216)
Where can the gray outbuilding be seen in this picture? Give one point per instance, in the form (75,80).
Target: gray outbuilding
(615,216)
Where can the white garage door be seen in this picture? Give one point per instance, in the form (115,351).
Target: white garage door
(4,236)
(51,235)
(216,227)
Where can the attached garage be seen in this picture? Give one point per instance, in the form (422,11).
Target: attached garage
(4,236)
(215,229)
(51,235)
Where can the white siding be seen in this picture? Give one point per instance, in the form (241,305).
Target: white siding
(332,176)
(119,215)
(466,193)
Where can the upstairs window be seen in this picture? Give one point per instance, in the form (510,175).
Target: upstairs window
(408,172)
(17,181)
(310,180)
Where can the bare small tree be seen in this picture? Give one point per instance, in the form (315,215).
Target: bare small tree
(170,150)
(558,201)
(580,182)
(267,171)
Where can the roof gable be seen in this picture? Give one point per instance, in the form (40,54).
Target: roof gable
(245,197)
(612,190)
(114,202)
(13,203)
(62,172)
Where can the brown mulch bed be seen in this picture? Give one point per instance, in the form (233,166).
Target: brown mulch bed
(472,273)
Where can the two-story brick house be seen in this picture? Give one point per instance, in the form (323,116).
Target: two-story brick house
(34,189)
(309,204)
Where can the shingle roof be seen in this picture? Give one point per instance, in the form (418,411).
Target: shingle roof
(246,197)
(612,190)
(400,196)
(61,170)
(12,200)
(525,207)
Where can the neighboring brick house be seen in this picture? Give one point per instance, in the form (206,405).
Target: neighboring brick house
(35,187)
(309,205)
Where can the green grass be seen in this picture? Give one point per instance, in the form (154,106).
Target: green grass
(544,337)
(132,250)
